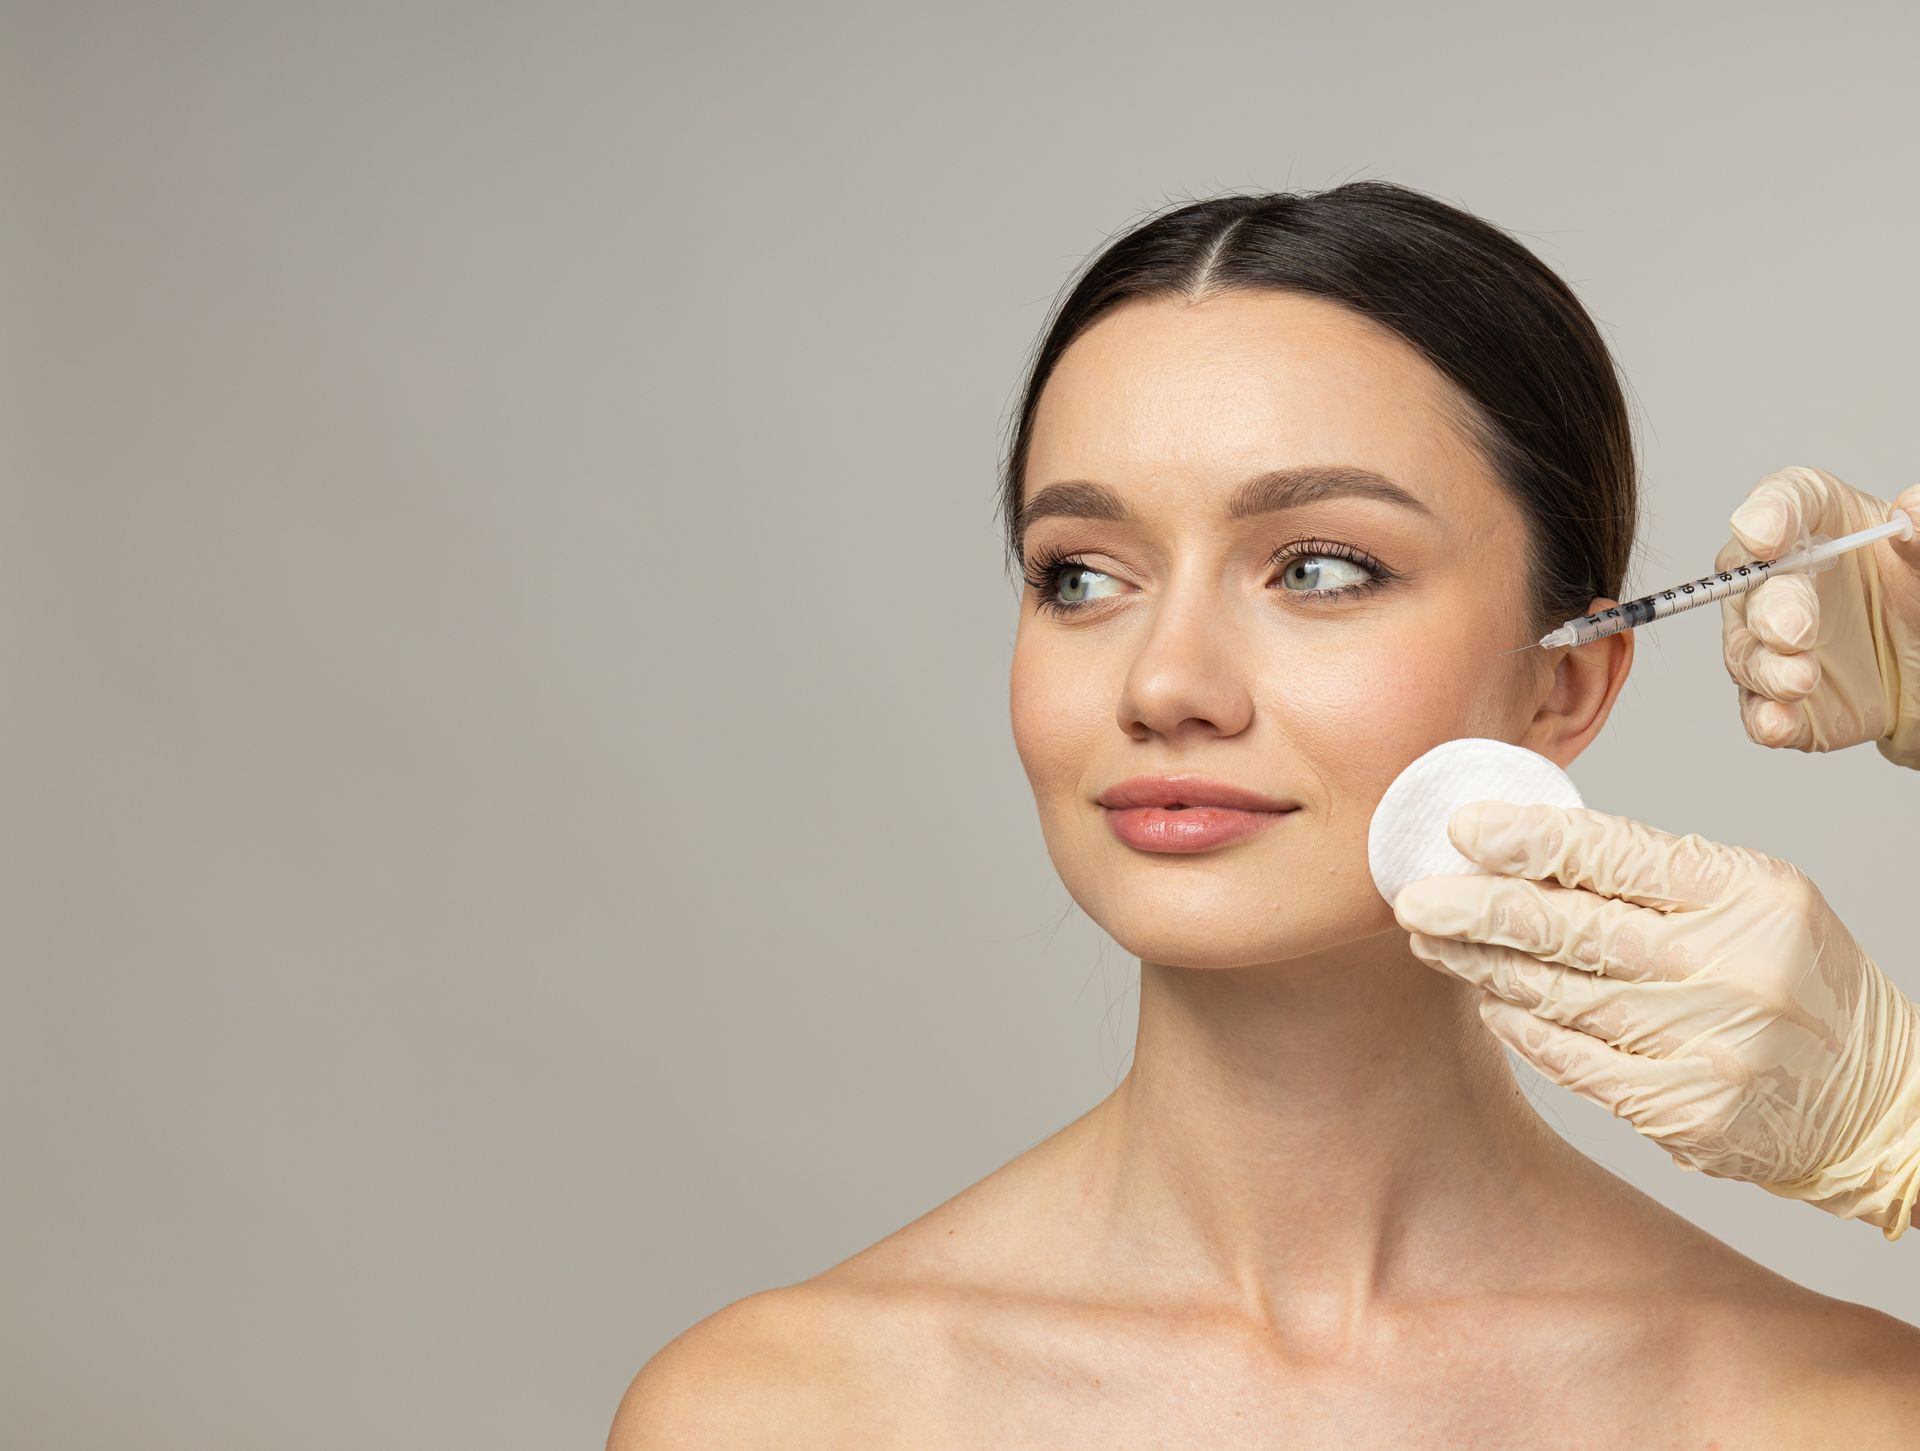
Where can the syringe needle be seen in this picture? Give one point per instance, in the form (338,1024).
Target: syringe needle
(1811,554)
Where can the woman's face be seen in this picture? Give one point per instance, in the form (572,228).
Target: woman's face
(1200,642)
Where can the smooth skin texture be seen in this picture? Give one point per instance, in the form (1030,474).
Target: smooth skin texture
(1318,1211)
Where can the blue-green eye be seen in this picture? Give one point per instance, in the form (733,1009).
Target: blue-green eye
(1308,572)
(1304,577)
(1050,571)
(1081,578)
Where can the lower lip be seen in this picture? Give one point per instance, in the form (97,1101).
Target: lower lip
(1192,828)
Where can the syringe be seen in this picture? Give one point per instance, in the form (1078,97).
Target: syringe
(1813,553)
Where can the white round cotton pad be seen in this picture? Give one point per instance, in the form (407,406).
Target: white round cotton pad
(1407,838)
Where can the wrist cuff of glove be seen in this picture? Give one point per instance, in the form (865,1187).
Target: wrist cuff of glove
(1902,744)
(1879,1185)
(1901,681)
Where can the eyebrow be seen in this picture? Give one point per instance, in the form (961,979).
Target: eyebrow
(1267,493)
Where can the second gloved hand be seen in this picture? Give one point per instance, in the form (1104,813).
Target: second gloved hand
(1827,660)
(1705,993)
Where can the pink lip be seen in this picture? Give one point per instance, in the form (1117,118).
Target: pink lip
(1187,813)
(1194,828)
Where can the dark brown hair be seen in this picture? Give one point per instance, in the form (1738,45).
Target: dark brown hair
(1539,395)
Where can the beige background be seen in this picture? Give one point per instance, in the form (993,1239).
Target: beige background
(515,837)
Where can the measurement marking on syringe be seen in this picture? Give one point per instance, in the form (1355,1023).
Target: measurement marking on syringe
(1811,555)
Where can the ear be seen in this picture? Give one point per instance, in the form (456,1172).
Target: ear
(1581,692)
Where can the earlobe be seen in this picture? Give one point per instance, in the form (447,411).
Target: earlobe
(1584,683)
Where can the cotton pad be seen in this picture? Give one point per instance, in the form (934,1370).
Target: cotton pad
(1407,838)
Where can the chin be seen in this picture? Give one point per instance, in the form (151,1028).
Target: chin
(1185,950)
(1236,927)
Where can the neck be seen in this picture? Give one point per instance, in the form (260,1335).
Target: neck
(1323,1137)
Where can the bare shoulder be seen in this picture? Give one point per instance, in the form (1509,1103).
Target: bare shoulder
(861,1354)
(1799,1368)
(1863,1383)
(818,1363)
(778,1368)
(1747,1357)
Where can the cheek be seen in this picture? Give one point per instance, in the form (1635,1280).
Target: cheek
(1057,705)
(1359,715)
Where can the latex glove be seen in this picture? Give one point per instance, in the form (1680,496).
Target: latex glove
(1827,660)
(1705,993)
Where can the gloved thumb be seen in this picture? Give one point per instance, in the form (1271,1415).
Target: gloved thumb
(1775,514)
(1484,831)
(1908,550)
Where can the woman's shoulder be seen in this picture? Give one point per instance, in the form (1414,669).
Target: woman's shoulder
(1832,1371)
(1697,1333)
(820,1363)
(815,1362)
(1743,1354)
(790,1366)
(1777,1363)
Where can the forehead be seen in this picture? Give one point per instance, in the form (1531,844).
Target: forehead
(1208,393)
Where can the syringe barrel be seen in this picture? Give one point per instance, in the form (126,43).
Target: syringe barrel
(1657,606)
(1809,555)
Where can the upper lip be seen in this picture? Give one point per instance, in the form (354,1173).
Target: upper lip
(1189,791)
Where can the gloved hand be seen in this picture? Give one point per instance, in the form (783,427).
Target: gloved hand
(1705,993)
(1831,659)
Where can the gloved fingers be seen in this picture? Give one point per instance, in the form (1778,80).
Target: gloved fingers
(1619,1082)
(1755,666)
(1780,724)
(1783,506)
(1673,1101)
(1755,627)
(1784,612)
(1615,856)
(1547,923)
(1909,549)
(1738,643)
(1616,1013)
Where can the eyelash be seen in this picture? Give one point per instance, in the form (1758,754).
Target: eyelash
(1043,574)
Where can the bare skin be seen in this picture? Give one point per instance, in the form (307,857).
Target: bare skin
(1318,1211)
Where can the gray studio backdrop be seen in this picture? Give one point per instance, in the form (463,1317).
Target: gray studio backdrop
(514,839)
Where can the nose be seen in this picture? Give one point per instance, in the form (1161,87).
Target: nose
(1189,672)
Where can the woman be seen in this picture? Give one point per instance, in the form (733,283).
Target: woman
(1289,476)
